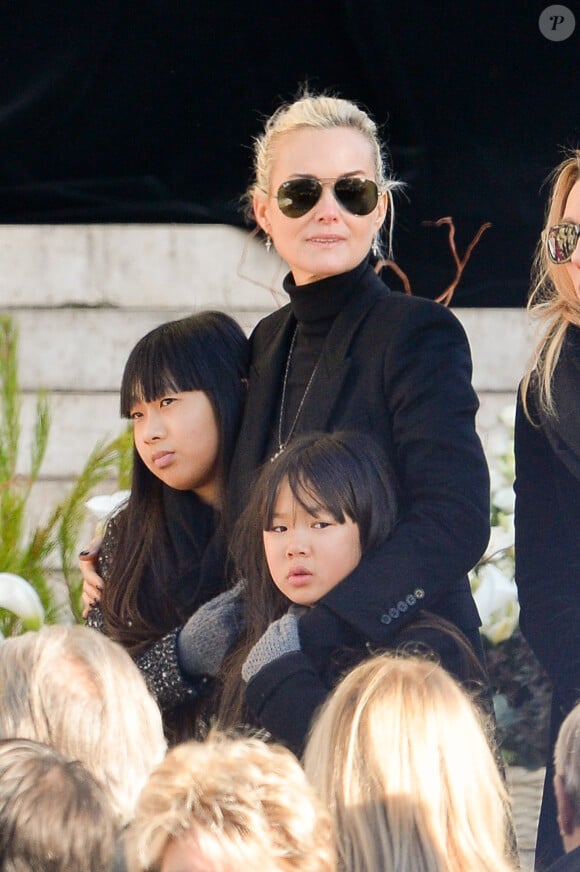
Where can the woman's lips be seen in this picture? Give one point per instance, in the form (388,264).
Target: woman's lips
(161,459)
(325,240)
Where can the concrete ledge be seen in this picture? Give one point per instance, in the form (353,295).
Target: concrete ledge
(81,296)
(131,265)
(501,343)
(86,349)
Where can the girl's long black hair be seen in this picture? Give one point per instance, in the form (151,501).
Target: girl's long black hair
(346,473)
(208,352)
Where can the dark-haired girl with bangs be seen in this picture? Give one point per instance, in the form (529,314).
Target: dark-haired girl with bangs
(183,388)
(315,511)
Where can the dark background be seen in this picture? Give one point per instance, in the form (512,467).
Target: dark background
(113,111)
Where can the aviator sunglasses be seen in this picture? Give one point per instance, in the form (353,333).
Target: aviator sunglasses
(561,241)
(296,197)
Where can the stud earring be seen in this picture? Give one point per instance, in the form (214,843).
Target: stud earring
(268,242)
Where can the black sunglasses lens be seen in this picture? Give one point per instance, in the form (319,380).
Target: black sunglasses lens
(562,241)
(358,196)
(298,196)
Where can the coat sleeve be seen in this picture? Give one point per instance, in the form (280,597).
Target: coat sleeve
(444,520)
(547,545)
(159,664)
(284,696)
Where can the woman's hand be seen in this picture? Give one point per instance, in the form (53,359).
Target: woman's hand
(92,581)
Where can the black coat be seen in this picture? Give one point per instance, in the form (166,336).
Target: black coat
(285,695)
(568,863)
(547,545)
(400,368)
(547,526)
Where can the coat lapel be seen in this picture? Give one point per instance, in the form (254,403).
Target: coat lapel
(324,394)
(259,412)
(335,361)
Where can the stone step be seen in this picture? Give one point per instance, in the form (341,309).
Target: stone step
(138,266)
(86,349)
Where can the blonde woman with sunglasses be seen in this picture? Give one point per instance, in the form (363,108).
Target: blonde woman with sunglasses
(347,353)
(547,448)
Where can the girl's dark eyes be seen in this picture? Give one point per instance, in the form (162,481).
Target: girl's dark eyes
(317,525)
(166,401)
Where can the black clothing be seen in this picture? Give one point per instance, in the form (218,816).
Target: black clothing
(285,695)
(547,544)
(398,367)
(189,573)
(567,863)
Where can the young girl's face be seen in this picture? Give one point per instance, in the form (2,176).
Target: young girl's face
(177,439)
(308,552)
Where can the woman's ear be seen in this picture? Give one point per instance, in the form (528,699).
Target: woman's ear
(261,212)
(382,210)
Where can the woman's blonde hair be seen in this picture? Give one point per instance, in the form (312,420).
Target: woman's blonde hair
(53,814)
(75,690)
(567,759)
(241,805)
(321,112)
(553,301)
(402,758)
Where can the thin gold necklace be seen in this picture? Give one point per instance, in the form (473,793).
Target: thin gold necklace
(282,443)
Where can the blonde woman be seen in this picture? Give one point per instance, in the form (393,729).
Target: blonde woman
(230,804)
(547,452)
(72,688)
(400,755)
(347,353)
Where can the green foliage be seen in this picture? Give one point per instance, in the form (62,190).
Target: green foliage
(26,552)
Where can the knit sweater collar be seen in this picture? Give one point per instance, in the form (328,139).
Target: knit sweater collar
(324,299)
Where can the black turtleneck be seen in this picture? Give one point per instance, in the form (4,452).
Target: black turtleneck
(315,307)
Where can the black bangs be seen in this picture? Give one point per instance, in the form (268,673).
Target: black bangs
(313,469)
(315,490)
(344,473)
(164,361)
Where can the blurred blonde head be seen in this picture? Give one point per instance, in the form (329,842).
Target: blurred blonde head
(72,688)
(553,301)
(234,805)
(400,756)
(567,761)
(54,816)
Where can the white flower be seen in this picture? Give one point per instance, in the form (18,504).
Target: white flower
(498,479)
(498,443)
(507,417)
(492,580)
(501,539)
(18,596)
(496,598)
(103,504)
(504,499)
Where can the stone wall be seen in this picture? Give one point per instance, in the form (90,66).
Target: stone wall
(81,296)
